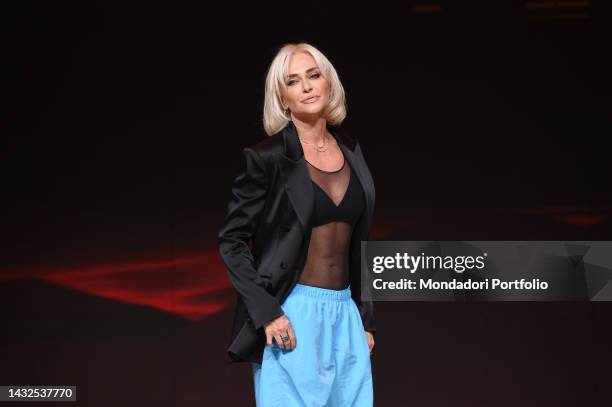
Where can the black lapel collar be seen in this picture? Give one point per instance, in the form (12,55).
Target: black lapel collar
(297,180)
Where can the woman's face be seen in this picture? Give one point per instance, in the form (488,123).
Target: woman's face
(307,91)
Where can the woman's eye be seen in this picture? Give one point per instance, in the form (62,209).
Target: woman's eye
(315,76)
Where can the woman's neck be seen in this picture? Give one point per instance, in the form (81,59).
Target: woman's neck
(312,132)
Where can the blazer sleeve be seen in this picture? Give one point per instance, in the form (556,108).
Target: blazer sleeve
(366,308)
(248,196)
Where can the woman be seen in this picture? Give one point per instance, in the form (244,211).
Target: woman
(305,198)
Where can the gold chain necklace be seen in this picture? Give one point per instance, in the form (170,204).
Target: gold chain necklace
(322,148)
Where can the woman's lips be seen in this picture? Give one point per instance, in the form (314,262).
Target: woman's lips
(311,99)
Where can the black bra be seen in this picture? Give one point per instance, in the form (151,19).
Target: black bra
(332,184)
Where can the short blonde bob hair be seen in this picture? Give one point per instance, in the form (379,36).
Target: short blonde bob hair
(274,117)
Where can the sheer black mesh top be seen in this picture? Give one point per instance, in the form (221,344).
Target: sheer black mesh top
(339,202)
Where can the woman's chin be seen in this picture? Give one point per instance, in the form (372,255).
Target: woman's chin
(310,113)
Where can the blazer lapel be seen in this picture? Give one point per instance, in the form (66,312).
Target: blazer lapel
(295,176)
(355,158)
(297,179)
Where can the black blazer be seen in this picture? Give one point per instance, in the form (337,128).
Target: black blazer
(271,203)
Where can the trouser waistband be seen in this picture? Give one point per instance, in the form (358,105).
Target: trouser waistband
(323,293)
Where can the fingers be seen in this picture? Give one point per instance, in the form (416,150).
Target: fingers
(292,336)
(370,340)
(278,335)
(290,340)
(279,341)
(279,328)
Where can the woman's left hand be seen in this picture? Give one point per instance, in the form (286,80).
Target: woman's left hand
(370,339)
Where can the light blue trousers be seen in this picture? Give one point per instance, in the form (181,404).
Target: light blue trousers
(330,365)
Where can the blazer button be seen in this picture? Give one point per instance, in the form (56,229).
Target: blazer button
(283,264)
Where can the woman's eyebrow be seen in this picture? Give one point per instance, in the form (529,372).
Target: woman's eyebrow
(308,70)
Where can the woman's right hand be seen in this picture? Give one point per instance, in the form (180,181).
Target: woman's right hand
(277,328)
